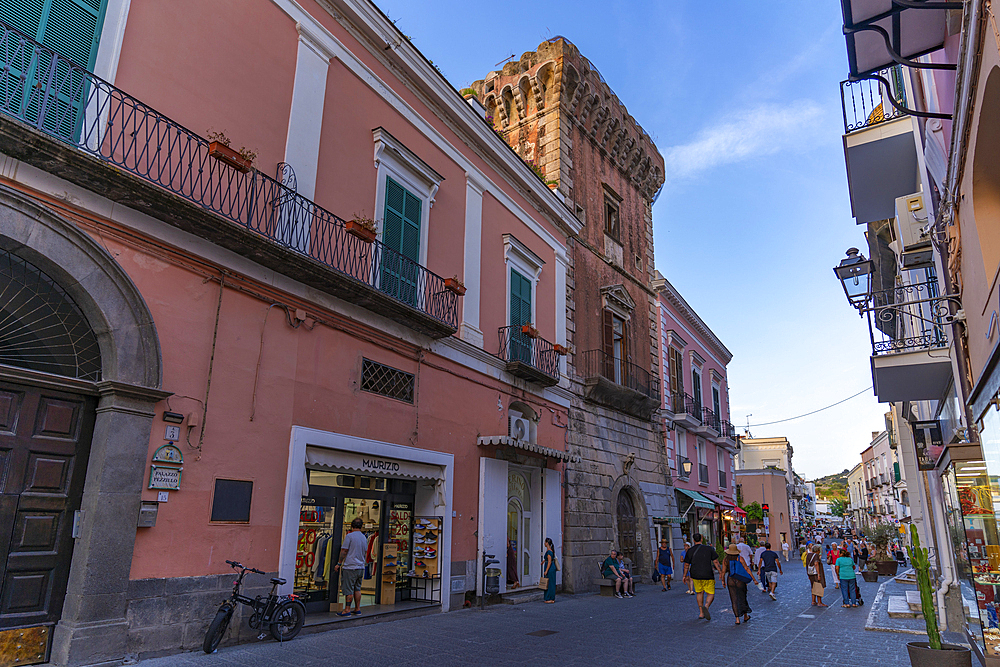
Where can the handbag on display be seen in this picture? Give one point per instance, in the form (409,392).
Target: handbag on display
(543,583)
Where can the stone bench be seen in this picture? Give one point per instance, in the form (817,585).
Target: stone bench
(607,586)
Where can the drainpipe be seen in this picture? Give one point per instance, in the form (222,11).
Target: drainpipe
(945,554)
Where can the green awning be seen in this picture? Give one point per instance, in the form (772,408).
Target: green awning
(698,499)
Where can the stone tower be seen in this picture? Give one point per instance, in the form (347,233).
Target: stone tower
(556,111)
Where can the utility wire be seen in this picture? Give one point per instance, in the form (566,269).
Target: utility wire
(810,413)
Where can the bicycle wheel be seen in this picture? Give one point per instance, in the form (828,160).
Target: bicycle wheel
(287,621)
(217,628)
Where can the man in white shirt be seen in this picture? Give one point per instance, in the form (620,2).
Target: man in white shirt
(352,567)
(756,561)
(784,549)
(745,550)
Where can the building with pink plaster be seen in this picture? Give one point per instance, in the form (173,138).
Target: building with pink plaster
(699,439)
(211,353)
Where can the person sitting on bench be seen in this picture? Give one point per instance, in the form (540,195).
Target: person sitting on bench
(610,570)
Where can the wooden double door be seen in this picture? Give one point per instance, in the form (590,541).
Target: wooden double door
(44,445)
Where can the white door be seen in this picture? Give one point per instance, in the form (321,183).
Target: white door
(524,529)
(552,508)
(492,517)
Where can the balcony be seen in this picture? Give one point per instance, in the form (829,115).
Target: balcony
(687,412)
(910,360)
(727,434)
(619,384)
(78,127)
(702,473)
(532,359)
(709,426)
(879,146)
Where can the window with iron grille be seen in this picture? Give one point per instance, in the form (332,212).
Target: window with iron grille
(386,381)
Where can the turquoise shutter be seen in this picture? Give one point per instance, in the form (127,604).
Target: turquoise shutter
(401,234)
(71,28)
(520,313)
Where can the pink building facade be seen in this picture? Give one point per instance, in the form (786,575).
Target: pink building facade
(697,430)
(250,370)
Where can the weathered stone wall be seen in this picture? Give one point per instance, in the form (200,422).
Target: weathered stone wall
(167,616)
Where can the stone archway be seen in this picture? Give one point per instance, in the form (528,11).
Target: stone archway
(93,627)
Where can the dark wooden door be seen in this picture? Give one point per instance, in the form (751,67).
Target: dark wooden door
(626,526)
(44,444)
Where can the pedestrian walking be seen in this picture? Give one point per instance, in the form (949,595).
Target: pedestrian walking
(784,549)
(737,575)
(700,564)
(756,562)
(817,578)
(770,568)
(351,567)
(863,559)
(665,564)
(549,569)
(687,580)
(831,556)
(848,580)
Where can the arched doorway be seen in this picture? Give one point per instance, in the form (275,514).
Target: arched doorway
(626,526)
(522,529)
(79,378)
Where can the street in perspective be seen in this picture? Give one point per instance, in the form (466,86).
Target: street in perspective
(416,332)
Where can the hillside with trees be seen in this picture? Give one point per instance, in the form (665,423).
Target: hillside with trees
(832,486)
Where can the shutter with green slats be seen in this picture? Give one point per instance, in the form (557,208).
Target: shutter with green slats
(520,314)
(71,28)
(401,233)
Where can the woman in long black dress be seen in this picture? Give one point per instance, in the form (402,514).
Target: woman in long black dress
(737,587)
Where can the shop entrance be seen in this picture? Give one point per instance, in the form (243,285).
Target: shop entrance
(385,507)
(523,529)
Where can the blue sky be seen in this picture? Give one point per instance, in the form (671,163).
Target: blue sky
(743,101)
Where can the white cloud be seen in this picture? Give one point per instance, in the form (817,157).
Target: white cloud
(760,130)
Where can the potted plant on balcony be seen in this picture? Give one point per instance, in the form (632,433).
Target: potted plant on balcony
(561,350)
(362,227)
(455,285)
(529,330)
(880,535)
(931,653)
(218,147)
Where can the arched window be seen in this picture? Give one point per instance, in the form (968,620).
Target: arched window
(41,328)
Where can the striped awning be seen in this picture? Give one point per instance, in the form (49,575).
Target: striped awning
(508,441)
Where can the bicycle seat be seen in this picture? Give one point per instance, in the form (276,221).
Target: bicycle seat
(277,580)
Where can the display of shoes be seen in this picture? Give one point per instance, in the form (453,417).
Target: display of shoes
(420,564)
(411,573)
(426,575)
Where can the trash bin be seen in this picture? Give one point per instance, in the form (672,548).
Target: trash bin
(492,580)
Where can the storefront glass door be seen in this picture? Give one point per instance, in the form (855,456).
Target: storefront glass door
(369,511)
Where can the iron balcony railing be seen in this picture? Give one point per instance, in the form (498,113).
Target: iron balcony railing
(594,363)
(866,102)
(53,95)
(710,419)
(727,430)
(538,353)
(703,473)
(685,403)
(907,318)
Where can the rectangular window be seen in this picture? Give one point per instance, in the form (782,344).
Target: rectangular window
(231,501)
(676,378)
(716,402)
(387,381)
(721,458)
(696,387)
(616,347)
(612,223)
(520,314)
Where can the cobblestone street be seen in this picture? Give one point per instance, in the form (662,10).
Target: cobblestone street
(654,628)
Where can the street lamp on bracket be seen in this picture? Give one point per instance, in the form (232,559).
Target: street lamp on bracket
(855,274)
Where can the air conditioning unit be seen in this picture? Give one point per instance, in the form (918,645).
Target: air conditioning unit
(912,224)
(518,427)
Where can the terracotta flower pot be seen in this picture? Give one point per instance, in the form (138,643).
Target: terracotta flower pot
(949,655)
(224,153)
(359,230)
(560,349)
(453,285)
(529,331)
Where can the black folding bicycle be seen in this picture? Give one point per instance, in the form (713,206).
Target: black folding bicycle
(282,614)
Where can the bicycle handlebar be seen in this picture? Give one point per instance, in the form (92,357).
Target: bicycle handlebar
(240,566)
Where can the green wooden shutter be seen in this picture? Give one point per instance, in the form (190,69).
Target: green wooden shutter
(520,314)
(401,234)
(71,28)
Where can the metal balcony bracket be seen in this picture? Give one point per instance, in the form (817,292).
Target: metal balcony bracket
(906,62)
(896,105)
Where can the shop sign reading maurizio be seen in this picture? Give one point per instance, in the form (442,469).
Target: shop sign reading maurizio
(380,465)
